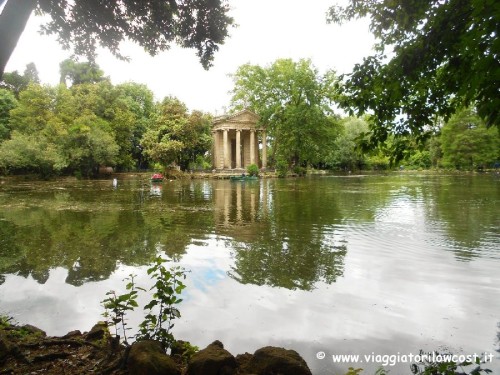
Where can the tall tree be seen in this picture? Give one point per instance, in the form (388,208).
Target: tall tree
(467,143)
(345,154)
(432,58)
(79,72)
(7,102)
(16,82)
(139,102)
(176,136)
(294,102)
(153,24)
(31,73)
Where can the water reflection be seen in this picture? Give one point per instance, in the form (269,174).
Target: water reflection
(282,233)
(336,263)
(156,190)
(274,240)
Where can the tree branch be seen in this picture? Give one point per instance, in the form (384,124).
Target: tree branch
(13,20)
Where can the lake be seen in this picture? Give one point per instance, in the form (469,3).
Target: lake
(361,264)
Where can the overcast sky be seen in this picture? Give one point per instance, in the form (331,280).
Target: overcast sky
(267,30)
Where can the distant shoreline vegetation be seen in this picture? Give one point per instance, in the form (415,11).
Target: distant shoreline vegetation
(93,126)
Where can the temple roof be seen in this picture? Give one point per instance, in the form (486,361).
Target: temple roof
(245,117)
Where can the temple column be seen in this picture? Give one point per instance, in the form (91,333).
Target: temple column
(226,150)
(264,150)
(252,146)
(238,148)
(215,156)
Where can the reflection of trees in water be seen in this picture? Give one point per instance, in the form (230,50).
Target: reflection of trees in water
(293,263)
(281,230)
(290,245)
(467,208)
(90,241)
(10,251)
(498,337)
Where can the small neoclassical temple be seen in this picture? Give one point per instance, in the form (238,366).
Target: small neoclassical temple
(236,141)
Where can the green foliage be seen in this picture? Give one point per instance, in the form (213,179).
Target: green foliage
(7,103)
(30,153)
(253,170)
(443,56)
(79,72)
(161,310)
(281,168)
(293,101)
(117,306)
(175,136)
(346,153)
(467,143)
(353,371)
(86,126)
(447,367)
(15,82)
(378,161)
(153,25)
(5,321)
(419,160)
(299,170)
(186,349)
(201,163)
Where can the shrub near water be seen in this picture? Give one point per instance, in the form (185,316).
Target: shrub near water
(161,310)
(253,170)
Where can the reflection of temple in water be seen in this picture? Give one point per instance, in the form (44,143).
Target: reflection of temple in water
(273,240)
(241,206)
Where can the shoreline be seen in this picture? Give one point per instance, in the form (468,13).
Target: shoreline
(27,349)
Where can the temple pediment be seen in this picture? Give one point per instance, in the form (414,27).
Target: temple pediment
(244,119)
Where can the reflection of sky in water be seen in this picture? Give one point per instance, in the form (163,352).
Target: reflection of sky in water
(399,304)
(400,292)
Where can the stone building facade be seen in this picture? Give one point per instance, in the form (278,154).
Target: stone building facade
(236,141)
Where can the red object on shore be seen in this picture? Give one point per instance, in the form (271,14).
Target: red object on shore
(157,177)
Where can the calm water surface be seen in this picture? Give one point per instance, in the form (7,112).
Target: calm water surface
(344,265)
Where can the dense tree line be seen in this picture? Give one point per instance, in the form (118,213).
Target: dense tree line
(296,105)
(429,94)
(77,129)
(86,122)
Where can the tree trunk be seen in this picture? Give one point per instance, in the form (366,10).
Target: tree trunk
(13,20)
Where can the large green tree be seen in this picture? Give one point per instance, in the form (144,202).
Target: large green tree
(345,153)
(7,102)
(137,103)
(467,143)
(16,82)
(60,129)
(153,24)
(432,58)
(176,136)
(294,103)
(80,72)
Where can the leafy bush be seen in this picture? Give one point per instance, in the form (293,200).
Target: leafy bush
(420,159)
(116,307)
(299,171)
(281,168)
(161,310)
(253,170)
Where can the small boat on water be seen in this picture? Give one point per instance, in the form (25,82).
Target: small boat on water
(157,177)
(243,178)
